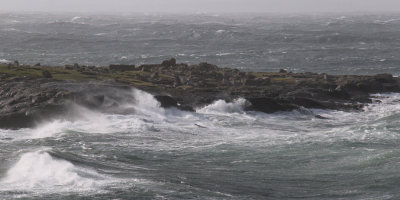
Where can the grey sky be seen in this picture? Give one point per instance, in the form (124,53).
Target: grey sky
(211,6)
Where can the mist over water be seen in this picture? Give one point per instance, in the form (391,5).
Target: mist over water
(220,151)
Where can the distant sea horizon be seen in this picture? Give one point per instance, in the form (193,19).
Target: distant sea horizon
(335,43)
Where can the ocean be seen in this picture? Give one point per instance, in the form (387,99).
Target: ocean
(220,151)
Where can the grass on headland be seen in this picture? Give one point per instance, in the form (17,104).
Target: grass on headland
(60,73)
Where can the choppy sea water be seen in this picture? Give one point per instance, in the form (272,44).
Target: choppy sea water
(220,151)
(335,44)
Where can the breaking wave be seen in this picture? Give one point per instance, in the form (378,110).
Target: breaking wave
(159,150)
(221,106)
(39,171)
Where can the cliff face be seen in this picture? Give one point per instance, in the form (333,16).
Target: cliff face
(31,94)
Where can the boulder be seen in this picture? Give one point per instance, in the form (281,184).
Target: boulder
(308,103)
(168,63)
(166,101)
(46,74)
(177,81)
(269,105)
(282,71)
(206,67)
(384,78)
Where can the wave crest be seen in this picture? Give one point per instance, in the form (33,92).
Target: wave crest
(221,106)
(40,171)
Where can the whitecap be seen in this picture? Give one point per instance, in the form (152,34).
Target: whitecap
(39,171)
(75,18)
(4,61)
(50,129)
(221,106)
(223,54)
(147,105)
(100,34)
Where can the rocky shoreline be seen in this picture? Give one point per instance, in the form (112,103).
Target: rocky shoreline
(31,94)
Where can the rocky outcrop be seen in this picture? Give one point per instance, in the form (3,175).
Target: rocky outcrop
(269,105)
(123,68)
(170,62)
(23,102)
(26,100)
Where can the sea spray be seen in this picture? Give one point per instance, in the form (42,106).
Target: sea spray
(221,106)
(39,171)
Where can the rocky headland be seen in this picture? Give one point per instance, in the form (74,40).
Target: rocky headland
(31,94)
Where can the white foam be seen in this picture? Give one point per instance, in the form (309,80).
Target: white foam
(253,128)
(51,129)
(100,34)
(4,61)
(75,18)
(145,104)
(221,106)
(224,54)
(147,113)
(39,171)
(220,31)
(225,122)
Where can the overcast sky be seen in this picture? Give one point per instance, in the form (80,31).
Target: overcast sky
(210,6)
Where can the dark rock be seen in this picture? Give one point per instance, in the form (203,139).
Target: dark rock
(122,67)
(200,126)
(166,101)
(168,63)
(320,117)
(338,93)
(148,68)
(46,74)
(187,108)
(269,105)
(206,67)
(37,65)
(22,97)
(384,78)
(170,102)
(282,71)
(177,81)
(308,103)
(27,119)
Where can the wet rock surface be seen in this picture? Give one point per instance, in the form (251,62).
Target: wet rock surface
(28,99)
